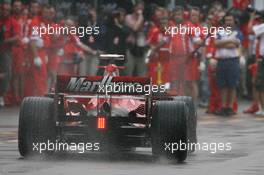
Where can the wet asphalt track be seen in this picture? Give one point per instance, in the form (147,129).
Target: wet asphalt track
(245,132)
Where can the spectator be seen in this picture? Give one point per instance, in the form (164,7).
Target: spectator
(137,41)
(52,50)
(36,83)
(116,37)
(180,49)
(34,9)
(72,51)
(9,35)
(259,80)
(252,65)
(191,71)
(228,71)
(95,41)
(214,104)
(158,66)
(18,56)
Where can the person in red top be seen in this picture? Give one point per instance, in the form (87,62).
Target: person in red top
(152,60)
(36,80)
(15,92)
(52,51)
(159,42)
(179,52)
(34,9)
(158,13)
(9,35)
(71,51)
(241,4)
(254,107)
(214,101)
(191,70)
(33,12)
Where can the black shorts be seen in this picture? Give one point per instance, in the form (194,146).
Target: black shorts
(228,73)
(260,75)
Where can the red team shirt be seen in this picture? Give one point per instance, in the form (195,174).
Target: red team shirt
(18,50)
(56,42)
(36,84)
(10,29)
(192,64)
(180,49)
(173,56)
(159,64)
(70,47)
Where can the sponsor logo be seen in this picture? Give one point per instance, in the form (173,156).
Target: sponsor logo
(83,85)
(108,84)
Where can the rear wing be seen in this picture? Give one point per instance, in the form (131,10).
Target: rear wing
(120,85)
(112,57)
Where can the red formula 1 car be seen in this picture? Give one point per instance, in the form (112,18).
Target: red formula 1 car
(112,113)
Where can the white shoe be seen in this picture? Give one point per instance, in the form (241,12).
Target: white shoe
(260,113)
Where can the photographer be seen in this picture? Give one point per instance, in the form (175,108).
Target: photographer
(9,34)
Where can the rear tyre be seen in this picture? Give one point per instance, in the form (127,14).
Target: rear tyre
(191,121)
(36,125)
(169,127)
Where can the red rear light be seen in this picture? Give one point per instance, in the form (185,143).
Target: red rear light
(101,122)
